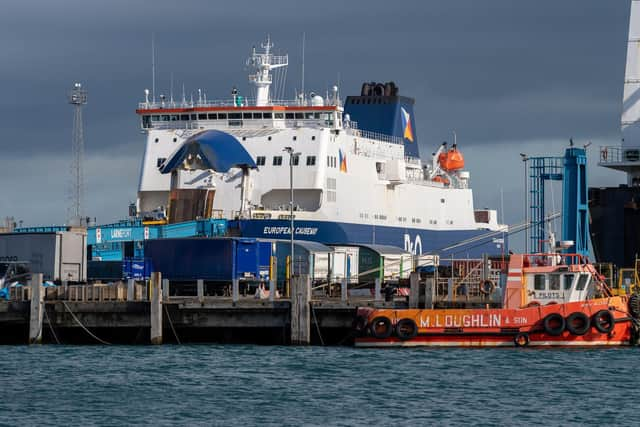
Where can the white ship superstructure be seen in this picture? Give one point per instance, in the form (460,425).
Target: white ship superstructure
(351,183)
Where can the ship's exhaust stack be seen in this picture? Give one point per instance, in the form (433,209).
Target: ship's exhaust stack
(380,109)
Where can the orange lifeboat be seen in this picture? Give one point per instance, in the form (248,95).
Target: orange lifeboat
(452,160)
(443,179)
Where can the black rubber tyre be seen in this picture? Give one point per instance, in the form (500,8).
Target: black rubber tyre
(380,327)
(521,340)
(603,321)
(359,323)
(634,305)
(406,329)
(578,323)
(554,324)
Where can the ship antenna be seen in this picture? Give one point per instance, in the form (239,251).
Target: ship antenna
(455,139)
(171,90)
(153,66)
(303,43)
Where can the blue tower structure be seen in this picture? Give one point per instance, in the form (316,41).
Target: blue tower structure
(572,171)
(575,219)
(541,170)
(380,109)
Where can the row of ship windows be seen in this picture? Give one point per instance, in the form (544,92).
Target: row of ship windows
(236,116)
(401,219)
(277,160)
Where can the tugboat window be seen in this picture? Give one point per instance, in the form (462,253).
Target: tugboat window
(582,282)
(539,283)
(554,282)
(568,281)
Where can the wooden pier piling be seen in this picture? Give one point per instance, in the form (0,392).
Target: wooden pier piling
(156,308)
(414,290)
(301,310)
(37,309)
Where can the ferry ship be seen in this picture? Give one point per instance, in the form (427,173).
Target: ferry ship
(615,211)
(354,167)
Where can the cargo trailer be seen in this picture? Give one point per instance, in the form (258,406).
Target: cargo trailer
(58,255)
(212,259)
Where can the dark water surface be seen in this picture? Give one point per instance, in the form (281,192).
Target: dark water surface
(251,385)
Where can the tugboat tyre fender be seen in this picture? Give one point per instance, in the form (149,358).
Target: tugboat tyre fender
(603,321)
(583,323)
(550,320)
(359,323)
(406,329)
(487,287)
(381,327)
(521,339)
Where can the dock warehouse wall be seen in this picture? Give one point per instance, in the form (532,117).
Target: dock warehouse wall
(59,255)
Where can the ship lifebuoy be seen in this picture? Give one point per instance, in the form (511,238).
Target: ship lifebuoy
(406,329)
(603,321)
(521,339)
(554,324)
(578,323)
(487,287)
(381,327)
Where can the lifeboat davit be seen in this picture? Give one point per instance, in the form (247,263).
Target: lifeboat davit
(452,160)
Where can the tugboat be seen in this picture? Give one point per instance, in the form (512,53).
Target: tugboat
(550,299)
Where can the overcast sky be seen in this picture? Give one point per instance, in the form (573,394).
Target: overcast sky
(509,76)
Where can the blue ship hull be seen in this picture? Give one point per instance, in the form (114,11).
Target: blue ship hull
(417,241)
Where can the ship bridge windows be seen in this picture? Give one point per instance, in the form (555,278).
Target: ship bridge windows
(539,282)
(299,116)
(554,282)
(568,281)
(247,115)
(265,115)
(582,282)
(222,116)
(289,116)
(234,116)
(212,116)
(202,116)
(278,115)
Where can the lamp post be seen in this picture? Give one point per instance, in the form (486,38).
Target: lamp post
(524,158)
(292,155)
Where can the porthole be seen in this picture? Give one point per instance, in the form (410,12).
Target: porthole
(157,140)
(268,138)
(295,137)
(313,138)
(175,139)
(244,138)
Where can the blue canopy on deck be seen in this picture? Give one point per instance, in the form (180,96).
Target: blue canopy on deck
(214,149)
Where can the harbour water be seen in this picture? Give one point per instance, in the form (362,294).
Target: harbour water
(259,385)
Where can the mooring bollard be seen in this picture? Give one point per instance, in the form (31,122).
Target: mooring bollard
(37,309)
(344,292)
(377,290)
(156,308)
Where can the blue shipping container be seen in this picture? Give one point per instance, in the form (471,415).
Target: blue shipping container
(214,259)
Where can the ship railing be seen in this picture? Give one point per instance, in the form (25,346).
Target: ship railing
(238,102)
(619,154)
(374,135)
